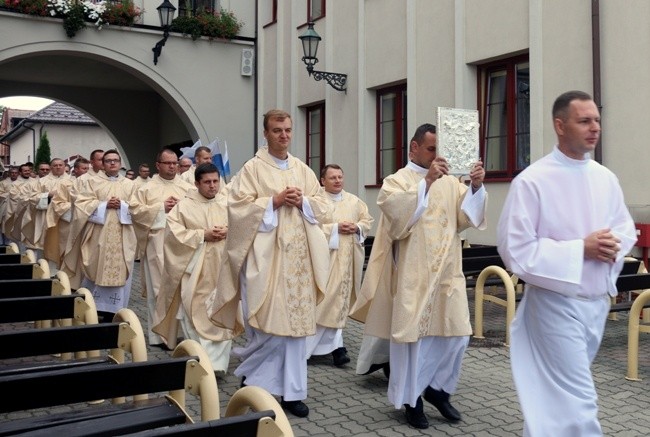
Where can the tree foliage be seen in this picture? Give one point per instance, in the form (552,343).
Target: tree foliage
(43,151)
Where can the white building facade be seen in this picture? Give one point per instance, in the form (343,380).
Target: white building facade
(508,59)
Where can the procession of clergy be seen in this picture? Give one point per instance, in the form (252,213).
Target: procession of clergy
(175,224)
(278,256)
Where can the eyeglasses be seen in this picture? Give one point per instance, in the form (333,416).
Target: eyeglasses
(112,161)
(168,162)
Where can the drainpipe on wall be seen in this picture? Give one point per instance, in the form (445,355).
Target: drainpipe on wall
(595,54)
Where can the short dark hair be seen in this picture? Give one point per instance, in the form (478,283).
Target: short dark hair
(164,150)
(205,168)
(323,172)
(80,161)
(111,152)
(202,149)
(143,165)
(94,152)
(564,100)
(418,136)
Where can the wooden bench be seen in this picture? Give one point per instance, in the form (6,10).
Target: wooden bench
(251,424)
(483,250)
(81,342)
(189,369)
(38,270)
(9,248)
(10,258)
(59,285)
(625,283)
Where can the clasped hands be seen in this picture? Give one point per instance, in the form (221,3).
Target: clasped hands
(347,228)
(170,202)
(113,203)
(216,233)
(602,245)
(290,196)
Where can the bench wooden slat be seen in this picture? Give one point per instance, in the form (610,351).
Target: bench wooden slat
(37,308)
(16,271)
(104,420)
(14,288)
(10,258)
(475,251)
(103,381)
(241,425)
(630,267)
(474,265)
(638,281)
(33,342)
(40,366)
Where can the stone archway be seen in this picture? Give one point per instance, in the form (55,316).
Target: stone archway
(196,91)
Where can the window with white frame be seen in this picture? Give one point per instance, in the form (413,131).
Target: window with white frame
(504,105)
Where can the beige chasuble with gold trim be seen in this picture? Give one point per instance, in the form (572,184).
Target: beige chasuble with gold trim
(414,285)
(287,267)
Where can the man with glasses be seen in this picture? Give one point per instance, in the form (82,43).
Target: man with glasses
(184,164)
(106,236)
(149,208)
(144,175)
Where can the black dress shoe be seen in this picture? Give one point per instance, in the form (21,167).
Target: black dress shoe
(297,408)
(162,346)
(340,357)
(386,368)
(440,400)
(415,415)
(375,367)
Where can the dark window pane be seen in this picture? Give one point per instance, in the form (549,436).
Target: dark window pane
(523,116)
(496,153)
(387,162)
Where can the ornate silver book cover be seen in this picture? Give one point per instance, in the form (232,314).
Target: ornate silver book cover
(458,139)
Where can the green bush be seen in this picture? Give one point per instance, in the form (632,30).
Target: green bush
(222,24)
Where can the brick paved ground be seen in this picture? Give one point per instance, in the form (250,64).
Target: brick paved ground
(345,404)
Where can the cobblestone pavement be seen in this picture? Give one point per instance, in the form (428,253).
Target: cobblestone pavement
(345,404)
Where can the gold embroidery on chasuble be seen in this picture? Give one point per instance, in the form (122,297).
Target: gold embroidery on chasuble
(437,241)
(345,254)
(297,269)
(298,279)
(113,272)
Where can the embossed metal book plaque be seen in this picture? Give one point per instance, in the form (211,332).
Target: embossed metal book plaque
(458,138)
